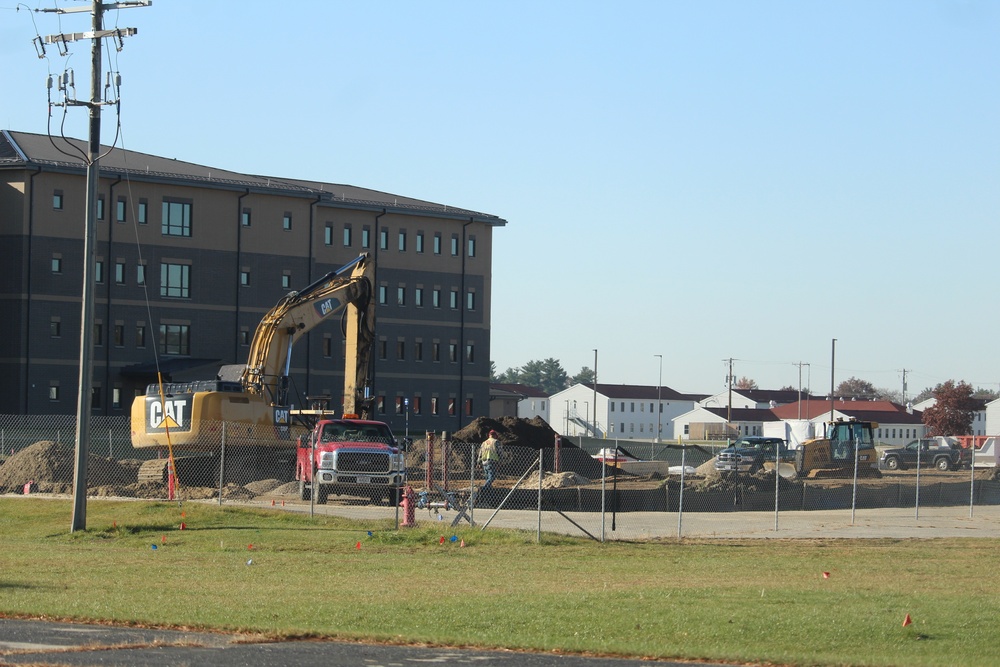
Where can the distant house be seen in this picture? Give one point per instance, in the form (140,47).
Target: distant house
(619,411)
(896,425)
(703,423)
(518,400)
(979,417)
(753,398)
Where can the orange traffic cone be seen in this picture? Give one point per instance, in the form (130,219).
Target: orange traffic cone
(358,546)
(907,621)
(462,544)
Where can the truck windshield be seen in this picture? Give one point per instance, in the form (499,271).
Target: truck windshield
(356,433)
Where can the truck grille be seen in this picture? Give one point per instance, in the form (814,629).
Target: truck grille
(363,462)
(729,458)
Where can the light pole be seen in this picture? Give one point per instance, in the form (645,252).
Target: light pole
(659,410)
(406,404)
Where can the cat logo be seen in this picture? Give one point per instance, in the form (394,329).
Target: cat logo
(327,307)
(169,414)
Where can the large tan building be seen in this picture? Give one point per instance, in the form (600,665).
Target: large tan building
(189,258)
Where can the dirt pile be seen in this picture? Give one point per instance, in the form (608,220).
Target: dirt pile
(555,480)
(52,463)
(516,432)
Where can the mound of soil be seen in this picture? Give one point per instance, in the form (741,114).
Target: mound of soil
(513,431)
(556,480)
(47,462)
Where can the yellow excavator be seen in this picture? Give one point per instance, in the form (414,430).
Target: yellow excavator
(253,400)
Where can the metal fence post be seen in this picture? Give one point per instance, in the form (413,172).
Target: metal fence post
(541,468)
(972,479)
(222,463)
(680,497)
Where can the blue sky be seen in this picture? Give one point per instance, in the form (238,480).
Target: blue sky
(698,180)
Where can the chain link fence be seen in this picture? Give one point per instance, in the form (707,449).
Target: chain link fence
(673,491)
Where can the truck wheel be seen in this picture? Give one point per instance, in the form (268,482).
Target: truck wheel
(892,463)
(322,495)
(943,464)
(305,493)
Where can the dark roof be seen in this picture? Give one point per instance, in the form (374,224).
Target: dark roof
(745,414)
(779,396)
(26,150)
(643,391)
(517,388)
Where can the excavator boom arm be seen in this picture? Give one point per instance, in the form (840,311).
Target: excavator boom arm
(299,312)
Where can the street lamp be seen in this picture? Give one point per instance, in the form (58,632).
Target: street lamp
(659,410)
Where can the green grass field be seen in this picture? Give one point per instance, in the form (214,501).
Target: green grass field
(764,600)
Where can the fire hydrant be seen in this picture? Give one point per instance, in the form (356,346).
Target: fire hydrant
(409,507)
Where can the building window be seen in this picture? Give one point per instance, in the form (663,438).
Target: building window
(454,245)
(57,265)
(453,299)
(245,217)
(436,298)
(366,237)
(120,273)
(400,350)
(140,335)
(437,244)
(286,281)
(418,351)
(116,398)
(400,296)
(380,405)
(451,406)
(472,246)
(468,407)
(286,221)
(120,207)
(328,234)
(470,352)
(402,240)
(55,327)
(119,334)
(415,404)
(57,200)
(99,271)
(435,351)
(53,392)
(348,240)
(175,281)
(140,274)
(418,297)
(175,339)
(176,218)
(470,301)
(143,212)
(245,337)
(452,353)
(100,207)
(612,406)
(399,405)
(383,239)
(419,242)
(383,295)
(434,405)
(98,334)
(245,278)
(383,349)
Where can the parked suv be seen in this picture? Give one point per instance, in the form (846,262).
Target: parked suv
(937,452)
(749,453)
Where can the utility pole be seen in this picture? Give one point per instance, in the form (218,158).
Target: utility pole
(729,403)
(833,359)
(800,365)
(904,372)
(94,104)
(659,410)
(595,392)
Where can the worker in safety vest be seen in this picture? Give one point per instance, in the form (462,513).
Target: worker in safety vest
(489,456)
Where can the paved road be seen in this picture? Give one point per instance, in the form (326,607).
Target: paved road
(45,643)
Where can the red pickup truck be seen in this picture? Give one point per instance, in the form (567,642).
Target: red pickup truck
(353,457)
